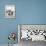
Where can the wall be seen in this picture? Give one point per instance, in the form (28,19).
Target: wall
(6,25)
(31,11)
(27,12)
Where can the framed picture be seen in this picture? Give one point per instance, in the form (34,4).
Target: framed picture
(10,11)
(31,32)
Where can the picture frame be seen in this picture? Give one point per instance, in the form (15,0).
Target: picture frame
(39,35)
(10,11)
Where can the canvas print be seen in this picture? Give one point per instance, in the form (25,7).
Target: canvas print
(34,32)
(28,34)
(10,11)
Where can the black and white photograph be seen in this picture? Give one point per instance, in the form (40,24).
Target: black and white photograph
(31,34)
(10,11)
